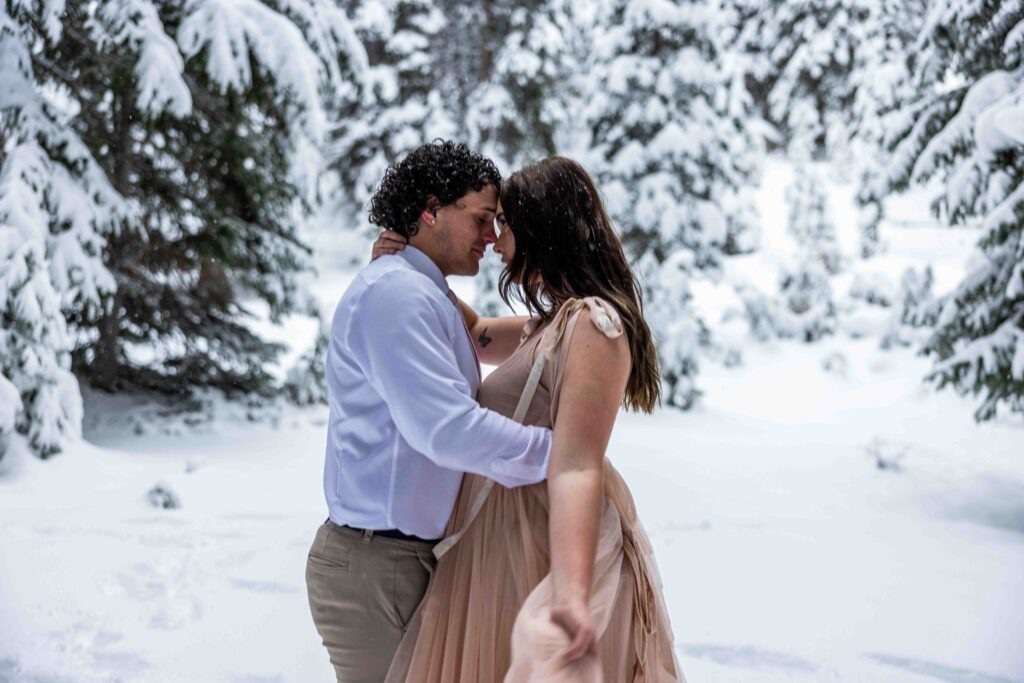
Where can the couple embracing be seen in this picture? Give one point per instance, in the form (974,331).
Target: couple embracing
(476,532)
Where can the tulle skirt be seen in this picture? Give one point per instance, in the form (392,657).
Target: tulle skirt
(486,615)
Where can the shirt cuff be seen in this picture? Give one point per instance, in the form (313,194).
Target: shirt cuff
(528,474)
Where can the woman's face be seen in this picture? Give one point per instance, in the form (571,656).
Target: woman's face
(506,244)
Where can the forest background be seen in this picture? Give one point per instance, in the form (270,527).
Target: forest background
(161,163)
(822,199)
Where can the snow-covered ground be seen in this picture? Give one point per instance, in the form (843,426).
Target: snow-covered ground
(786,552)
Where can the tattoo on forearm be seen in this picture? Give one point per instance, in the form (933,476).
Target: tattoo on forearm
(484,339)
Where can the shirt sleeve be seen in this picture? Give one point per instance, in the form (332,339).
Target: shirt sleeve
(398,336)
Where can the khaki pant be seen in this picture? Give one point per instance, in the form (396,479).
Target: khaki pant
(362,592)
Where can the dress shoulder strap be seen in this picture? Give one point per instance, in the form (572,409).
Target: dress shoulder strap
(602,314)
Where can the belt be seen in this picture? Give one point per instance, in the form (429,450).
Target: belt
(388,533)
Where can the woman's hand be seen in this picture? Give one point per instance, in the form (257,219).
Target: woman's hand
(574,617)
(389,242)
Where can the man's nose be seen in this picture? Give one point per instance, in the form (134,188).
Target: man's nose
(490,237)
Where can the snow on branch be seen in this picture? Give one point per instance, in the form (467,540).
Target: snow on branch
(329,32)
(236,33)
(956,136)
(907,151)
(160,66)
(47,12)
(987,355)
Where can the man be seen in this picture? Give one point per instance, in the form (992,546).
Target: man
(402,377)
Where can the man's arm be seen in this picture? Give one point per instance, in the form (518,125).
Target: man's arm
(397,336)
(495,338)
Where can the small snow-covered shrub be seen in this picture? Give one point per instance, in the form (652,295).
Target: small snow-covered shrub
(803,309)
(835,363)
(759,311)
(860,321)
(912,309)
(732,357)
(807,311)
(886,456)
(873,288)
(809,220)
(161,496)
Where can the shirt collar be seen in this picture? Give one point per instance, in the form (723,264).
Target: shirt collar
(423,264)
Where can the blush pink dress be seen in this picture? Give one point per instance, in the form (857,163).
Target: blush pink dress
(486,614)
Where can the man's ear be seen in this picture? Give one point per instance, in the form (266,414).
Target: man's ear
(429,214)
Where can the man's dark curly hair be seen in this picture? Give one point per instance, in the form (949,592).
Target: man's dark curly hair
(448,170)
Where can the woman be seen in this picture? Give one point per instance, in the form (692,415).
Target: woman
(556,581)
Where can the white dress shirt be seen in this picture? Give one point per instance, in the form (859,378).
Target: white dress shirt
(402,378)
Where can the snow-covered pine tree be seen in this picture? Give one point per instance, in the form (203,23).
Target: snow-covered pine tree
(803,50)
(157,156)
(34,348)
(810,223)
(221,180)
(464,49)
(733,97)
(55,207)
(670,155)
(521,110)
(968,129)
(528,64)
(881,85)
(670,152)
(809,220)
(401,106)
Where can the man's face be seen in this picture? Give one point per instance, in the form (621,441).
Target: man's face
(464,229)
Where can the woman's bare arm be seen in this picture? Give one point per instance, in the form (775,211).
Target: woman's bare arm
(597,369)
(495,338)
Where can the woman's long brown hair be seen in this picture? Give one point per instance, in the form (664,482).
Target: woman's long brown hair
(567,248)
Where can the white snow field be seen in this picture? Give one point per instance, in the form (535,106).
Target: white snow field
(787,554)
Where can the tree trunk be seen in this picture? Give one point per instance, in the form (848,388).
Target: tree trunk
(106,365)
